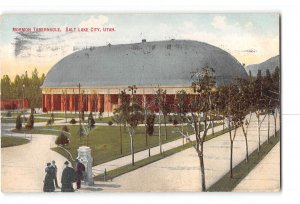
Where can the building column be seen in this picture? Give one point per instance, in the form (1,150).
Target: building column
(119,101)
(99,102)
(71,103)
(52,102)
(89,103)
(107,103)
(80,103)
(144,100)
(62,102)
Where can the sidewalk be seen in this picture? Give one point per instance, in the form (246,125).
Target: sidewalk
(99,169)
(265,177)
(181,171)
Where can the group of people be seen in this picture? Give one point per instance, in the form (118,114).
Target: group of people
(69,176)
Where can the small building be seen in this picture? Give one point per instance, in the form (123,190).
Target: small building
(91,79)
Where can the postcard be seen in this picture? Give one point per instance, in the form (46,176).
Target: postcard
(162,102)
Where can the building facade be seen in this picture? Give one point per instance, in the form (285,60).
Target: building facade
(91,79)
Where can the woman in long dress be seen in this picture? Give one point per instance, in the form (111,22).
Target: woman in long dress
(48,181)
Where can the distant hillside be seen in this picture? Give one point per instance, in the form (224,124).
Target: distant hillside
(270,64)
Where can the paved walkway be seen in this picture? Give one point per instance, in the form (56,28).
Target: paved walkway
(23,166)
(181,172)
(143,154)
(265,176)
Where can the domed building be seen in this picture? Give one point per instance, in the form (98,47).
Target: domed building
(91,79)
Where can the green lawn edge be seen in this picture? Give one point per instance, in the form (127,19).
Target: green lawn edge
(129,167)
(10,141)
(240,171)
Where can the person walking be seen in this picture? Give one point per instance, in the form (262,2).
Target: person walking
(68,178)
(80,169)
(48,181)
(55,174)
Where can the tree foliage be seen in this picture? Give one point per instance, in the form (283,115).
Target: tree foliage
(23,86)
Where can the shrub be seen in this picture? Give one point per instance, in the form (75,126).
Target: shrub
(8,114)
(30,122)
(19,122)
(65,128)
(91,120)
(150,124)
(175,122)
(49,122)
(62,139)
(110,123)
(73,121)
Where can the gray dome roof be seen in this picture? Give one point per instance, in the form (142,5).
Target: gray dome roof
(168,63)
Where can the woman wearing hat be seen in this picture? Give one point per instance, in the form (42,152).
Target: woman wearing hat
(68,178)
(48,181)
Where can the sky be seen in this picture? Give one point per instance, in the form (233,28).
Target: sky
(250,37)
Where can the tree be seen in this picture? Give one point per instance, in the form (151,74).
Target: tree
(80,132)
(234,115)
(63,139)
(182,108)
(246,107)
(30,122)
(200,107)
(91,121)
(19,122)
(258,102)
(150,121)
(158,101)
(131,113)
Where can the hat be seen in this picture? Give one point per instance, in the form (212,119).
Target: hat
(48,164)
(66,163)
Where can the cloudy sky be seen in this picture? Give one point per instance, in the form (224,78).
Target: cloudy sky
(251,38)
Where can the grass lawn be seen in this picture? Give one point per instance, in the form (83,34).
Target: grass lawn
(244,168)
(105,140)
(12,141)
(59,115)
(13,120)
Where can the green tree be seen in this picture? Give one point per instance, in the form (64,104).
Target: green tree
(131,113)
(19,122)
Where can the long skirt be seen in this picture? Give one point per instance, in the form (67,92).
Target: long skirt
(48,185)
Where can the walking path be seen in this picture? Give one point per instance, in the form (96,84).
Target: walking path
(181,172)
(23,166)
(99,169)
(265,176)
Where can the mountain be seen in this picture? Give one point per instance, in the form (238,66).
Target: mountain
(270,64)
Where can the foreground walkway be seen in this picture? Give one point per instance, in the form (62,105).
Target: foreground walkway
(265,176)
(23,166)
(181,172)
(99,169)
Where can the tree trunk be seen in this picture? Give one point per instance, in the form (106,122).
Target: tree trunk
(166,130)
(182,132)
(246,143)
(212,126)
(132,150)
(159,133)
(200,155)
(275,126)
(258,131)
(231,154)
(121,139)
(268,128)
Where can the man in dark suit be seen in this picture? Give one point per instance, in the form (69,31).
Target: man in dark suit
(80,169)
(55,175)
(68,178)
